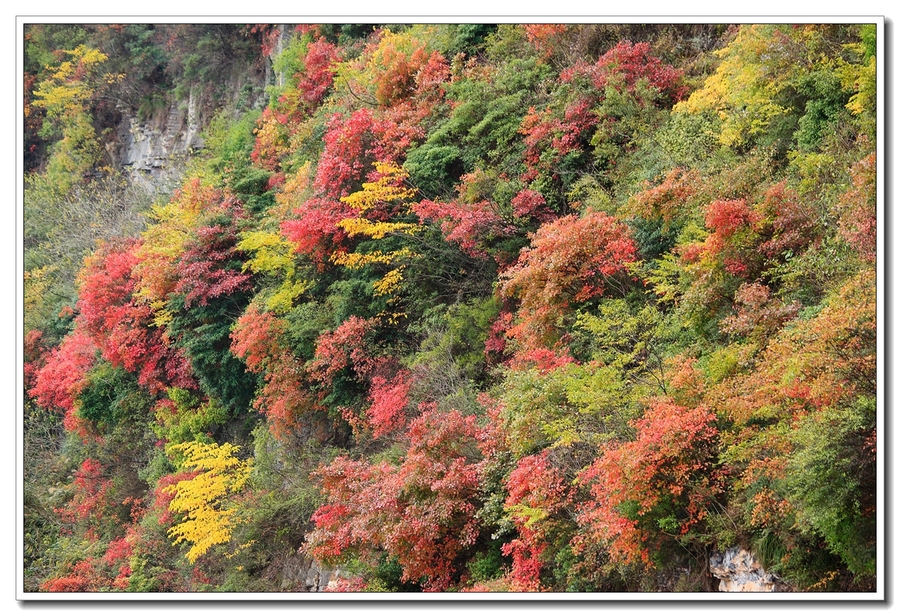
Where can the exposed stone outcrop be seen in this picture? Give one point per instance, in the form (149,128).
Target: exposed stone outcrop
(300,573)
(153,149)
(150,149)
(738,570)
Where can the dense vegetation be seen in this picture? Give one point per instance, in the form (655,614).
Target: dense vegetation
(460,308)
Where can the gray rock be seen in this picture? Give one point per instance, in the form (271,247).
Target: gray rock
(300,573)
(738,570)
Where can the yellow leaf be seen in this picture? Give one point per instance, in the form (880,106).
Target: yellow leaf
(208,520)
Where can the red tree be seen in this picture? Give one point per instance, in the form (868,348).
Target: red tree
(570,260)
(554,132)
(315,231)
(210,266)
(350,149)
(92,503)
(121,325)
(285,398)
(58,383)
(624,66)
(655,487)
(389,399)
(856,209)
(469,225)
(421,512)
(346,346)
(538,495)
(301,97)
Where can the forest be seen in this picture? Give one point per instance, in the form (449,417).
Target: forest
(471,308)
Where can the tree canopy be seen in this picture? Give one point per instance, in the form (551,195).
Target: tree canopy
(454,307)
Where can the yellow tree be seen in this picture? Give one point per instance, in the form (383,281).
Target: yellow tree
(770,72)
(65,97)
(743,88)
(383,198)
(203,499)
(272,255)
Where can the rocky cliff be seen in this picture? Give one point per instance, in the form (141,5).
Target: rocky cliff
(154,149)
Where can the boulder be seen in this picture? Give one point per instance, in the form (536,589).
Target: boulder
(738,570)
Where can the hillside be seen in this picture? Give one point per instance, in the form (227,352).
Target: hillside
(455,307)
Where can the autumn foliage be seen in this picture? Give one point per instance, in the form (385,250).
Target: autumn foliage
(421,512)
(453,308)
(659,485)
(121,325)
(59,381)
(570,261)
(284,398)
(537,503)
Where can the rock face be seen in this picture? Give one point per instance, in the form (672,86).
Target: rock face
(739,570)
(299,573)
(151,149)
